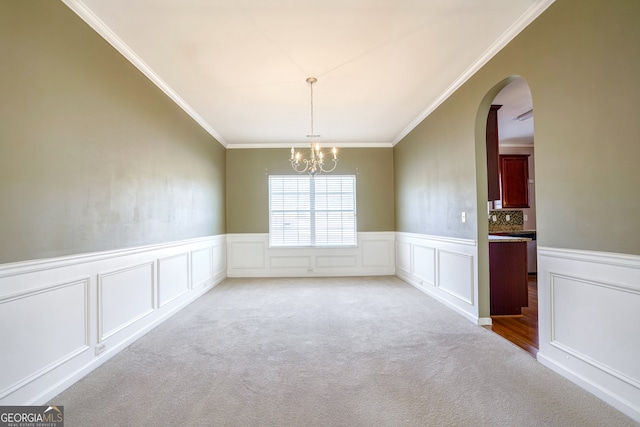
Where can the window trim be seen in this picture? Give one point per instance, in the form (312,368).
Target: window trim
(313,211)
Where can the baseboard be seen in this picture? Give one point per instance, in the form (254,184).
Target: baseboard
(438,297)
(485,321)
(622,404)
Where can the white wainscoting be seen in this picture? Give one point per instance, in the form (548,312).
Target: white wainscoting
(589,321)
(61,318)
(249,255)
(173,277)
(444,268)
(124,297)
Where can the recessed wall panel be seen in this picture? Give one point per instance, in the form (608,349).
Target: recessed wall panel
(124,296)
(173,277)
(377,253)
(424,264)
(201,266)
(456,275)
(403,256)
(41,330)
(336,261)
(290,261)
(219,259)
(247,255)
(598,322)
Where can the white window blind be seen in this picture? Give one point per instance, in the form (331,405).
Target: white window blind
(312,211)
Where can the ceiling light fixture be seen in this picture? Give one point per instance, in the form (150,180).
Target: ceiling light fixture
(315,163)
(524,116)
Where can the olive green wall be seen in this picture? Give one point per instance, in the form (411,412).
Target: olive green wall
(247,186)
(435,175)
(582,62)
(93,156)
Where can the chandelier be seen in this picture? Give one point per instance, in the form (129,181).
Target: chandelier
(316,161)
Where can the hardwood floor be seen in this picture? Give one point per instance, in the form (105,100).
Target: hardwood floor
(521,330)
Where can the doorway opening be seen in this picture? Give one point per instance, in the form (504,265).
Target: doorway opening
(512,214)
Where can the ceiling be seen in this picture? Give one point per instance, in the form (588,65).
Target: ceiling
(239,67)
(513,128)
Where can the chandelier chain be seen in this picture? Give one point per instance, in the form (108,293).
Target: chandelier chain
(311,84)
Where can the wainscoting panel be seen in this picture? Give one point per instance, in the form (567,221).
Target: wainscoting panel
(332,262)
(444,268)
(201,266)
(173,278)
(276,262)
(247,252)
(424,262)
(71,314)
(589,312)
(404,259)
(124,296)
(251,256)
(456,274)
(219,255)
(583,327)
(56,334)
(377,252)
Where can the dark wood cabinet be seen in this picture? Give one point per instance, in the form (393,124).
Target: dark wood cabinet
(514,180)
(493,175)
(508,277)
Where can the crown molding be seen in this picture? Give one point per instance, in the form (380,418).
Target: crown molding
(240,146)
(528,17)
(87,15)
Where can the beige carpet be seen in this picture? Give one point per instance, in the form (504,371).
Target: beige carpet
(326,352)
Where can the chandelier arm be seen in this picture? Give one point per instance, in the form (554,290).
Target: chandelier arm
(335,163)
(295,165)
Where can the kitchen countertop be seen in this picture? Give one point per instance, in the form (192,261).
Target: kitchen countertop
(510,239)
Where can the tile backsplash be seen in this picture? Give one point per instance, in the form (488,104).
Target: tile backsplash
(515,221)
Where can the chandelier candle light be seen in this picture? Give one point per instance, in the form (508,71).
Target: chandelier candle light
(315,163)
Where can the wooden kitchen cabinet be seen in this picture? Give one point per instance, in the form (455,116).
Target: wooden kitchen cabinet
(508,280)
(493,166)
(514,180)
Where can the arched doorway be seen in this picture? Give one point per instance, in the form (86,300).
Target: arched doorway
(511,106)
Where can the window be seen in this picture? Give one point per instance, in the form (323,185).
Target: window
(312,211)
